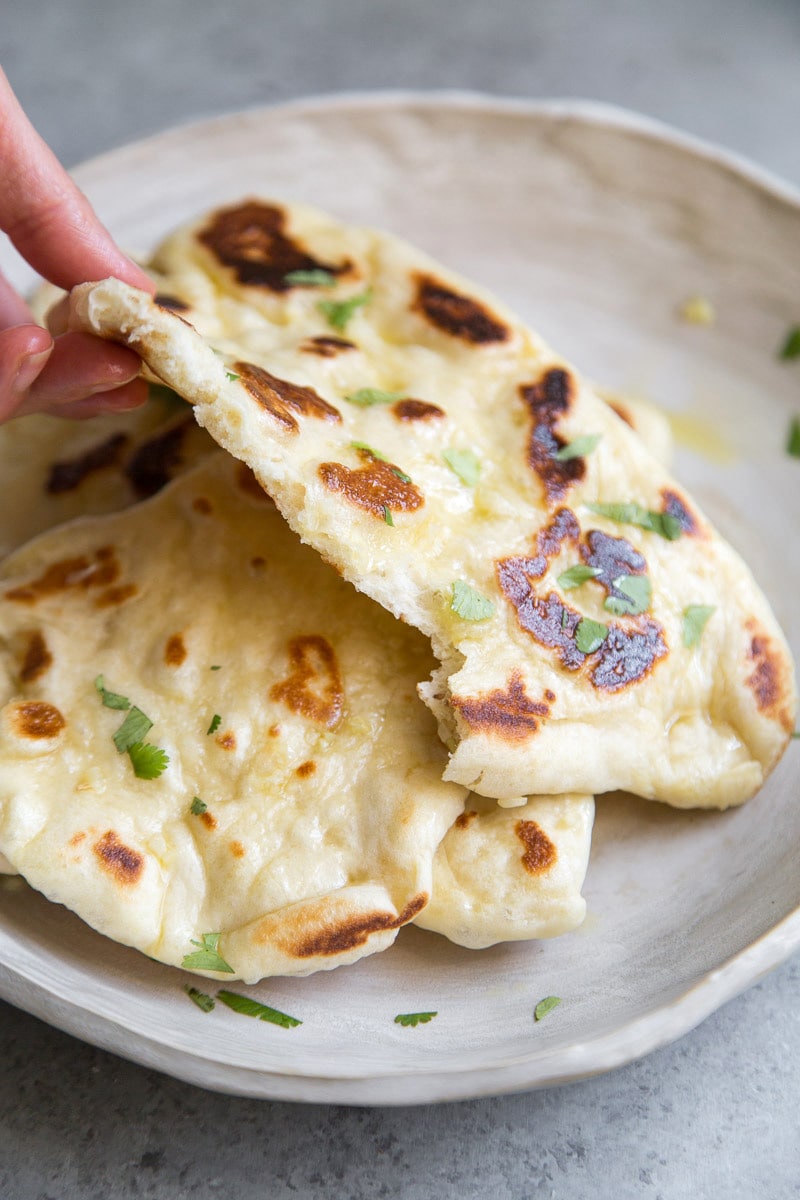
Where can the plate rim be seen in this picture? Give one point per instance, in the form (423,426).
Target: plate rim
(595,1055)
(594,112)
(601,1054)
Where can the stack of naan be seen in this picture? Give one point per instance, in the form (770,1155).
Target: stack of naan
(369,663)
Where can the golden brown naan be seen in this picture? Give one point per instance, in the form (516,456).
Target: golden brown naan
(302,803)
(348,392)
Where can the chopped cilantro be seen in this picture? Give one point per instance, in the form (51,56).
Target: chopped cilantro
(564,618)
(111,699)
(465,464)
(216,667)
(665,524)
(207,957)
(401,475)
(132,730)
(590,635)
(338,312)
(216,721)
(469,604)
(148,761)
(414,1019)
(369,450)
(578,448)
(254,1008)
(637,590)
(368,396)
(546,1006)
(574,576)
(793,440)
(387,515)
(203,1002)
(231,375)
(198,807)
(791,345)
(313,278)
(695,618)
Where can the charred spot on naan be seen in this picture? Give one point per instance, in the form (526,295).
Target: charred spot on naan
(113,596)
(613,557)
(171,303)
(313,688)
(548,620)
(124,864)
(252,241)
(509,713)
(69,474)
(175,651)
(770,678)
(562,528)
(628,653)
(159,459)
(540,853)
(677,506)
(327,347)
(548,400)
(82,572)
(377,486)
(465,819)
(36,719)
(622,411)
(36,657)
(334,936)
(279,396)
(458,315)
(416,410)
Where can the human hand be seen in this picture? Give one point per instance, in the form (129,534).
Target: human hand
(53,226)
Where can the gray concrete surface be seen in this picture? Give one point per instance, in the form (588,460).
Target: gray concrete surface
(717,1114)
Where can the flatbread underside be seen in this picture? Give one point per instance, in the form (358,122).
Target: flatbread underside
(53,470)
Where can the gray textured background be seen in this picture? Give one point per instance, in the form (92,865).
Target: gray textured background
(716,1115)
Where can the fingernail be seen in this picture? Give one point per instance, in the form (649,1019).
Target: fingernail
(113,384)
(30,369)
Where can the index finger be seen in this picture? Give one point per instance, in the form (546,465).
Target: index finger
(48,219)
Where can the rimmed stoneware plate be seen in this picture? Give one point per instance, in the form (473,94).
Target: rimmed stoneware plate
(596,225)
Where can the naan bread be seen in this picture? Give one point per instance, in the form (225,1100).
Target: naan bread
(322,782)
(52,470)
(528,698)
(325,806)
(511,874)
(644,418)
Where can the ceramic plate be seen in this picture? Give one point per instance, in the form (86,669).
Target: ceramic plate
(596,225)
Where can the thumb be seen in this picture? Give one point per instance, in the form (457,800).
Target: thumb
(24,351)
